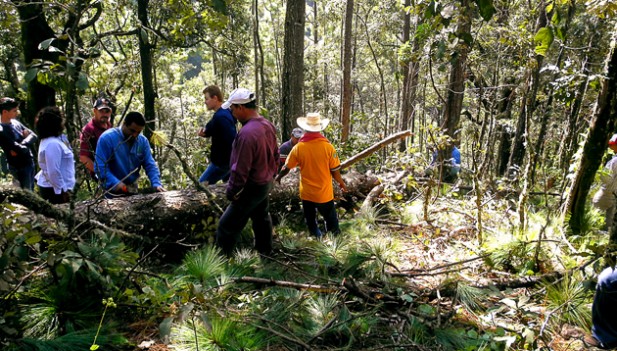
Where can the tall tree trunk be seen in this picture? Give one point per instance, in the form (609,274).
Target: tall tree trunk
(601,126)
(546,111)
(11,73)
(456,83)
(569,139)
(409,70)
(405,103)
(528,105)
(260,85)
(147,77)
(347,89)
(34,30)
(293,65)
(382,82)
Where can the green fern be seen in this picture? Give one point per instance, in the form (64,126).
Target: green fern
(204,265)
(569,299)
(471,297)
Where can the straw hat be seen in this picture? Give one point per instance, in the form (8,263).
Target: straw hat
(313,122)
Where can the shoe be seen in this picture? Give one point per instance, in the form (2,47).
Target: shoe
(590,341)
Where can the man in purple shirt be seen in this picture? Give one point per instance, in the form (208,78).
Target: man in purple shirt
(92,131)
(253,165)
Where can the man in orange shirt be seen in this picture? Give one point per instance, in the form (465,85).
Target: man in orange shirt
(318,164)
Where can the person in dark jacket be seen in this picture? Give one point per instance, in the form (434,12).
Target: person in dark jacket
(604,311)
(16,141)
(222,129)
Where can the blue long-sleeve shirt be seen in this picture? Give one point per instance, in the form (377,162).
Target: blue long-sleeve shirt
(117,160)
(222,129)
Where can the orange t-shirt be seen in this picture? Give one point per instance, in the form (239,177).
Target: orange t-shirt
(316,159)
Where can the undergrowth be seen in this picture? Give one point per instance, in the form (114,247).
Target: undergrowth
(391,280)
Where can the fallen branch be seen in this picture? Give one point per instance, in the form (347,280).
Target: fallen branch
(287,284)
(374,148)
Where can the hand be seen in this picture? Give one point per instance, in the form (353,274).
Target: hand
(25,133)
(160,189)
(343,187)
(202,132)
(120,188)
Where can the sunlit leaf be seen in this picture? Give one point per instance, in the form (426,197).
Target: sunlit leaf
(543,39)
(44,45)
(158,138)
(30,74)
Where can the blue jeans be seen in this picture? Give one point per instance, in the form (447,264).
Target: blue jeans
(214,173)
(254,204)
(328,212)
(24,175)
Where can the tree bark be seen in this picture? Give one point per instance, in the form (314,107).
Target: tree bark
(34,30)
(147,76)
(456,84)
(347,91)
(410,70)
(293,66)
(601,126)
(528,106)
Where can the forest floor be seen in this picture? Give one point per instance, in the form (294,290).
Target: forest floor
(444,248)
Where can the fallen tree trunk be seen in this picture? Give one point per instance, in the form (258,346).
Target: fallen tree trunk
(185,212)
(174,214)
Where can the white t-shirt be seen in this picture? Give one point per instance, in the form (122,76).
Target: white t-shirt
(604,198)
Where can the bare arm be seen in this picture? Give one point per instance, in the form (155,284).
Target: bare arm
(87,162)
(337,176)
(284,171)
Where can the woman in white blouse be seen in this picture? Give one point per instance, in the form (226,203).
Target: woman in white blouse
(56,179)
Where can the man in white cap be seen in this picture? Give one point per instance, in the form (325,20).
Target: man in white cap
(286,147)
(253,165)
(319,163)
(604,198)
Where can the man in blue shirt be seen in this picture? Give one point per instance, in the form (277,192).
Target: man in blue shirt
(222,129)
(120,153)
(452,166)
(16,141)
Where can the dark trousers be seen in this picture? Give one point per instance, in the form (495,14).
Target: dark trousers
(254,204)
(24,175)
(604,309)
(328,212)
(49,195)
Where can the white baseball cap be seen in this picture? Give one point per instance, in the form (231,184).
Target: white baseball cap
(239,96)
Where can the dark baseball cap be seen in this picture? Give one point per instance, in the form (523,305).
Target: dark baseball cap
(102,103)
(7,103)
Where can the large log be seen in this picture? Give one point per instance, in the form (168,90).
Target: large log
(180,213)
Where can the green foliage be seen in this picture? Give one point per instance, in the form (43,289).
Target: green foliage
(543,39)
(216,333)
(75,341)
(486,8)
(568,302)
(204,265)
